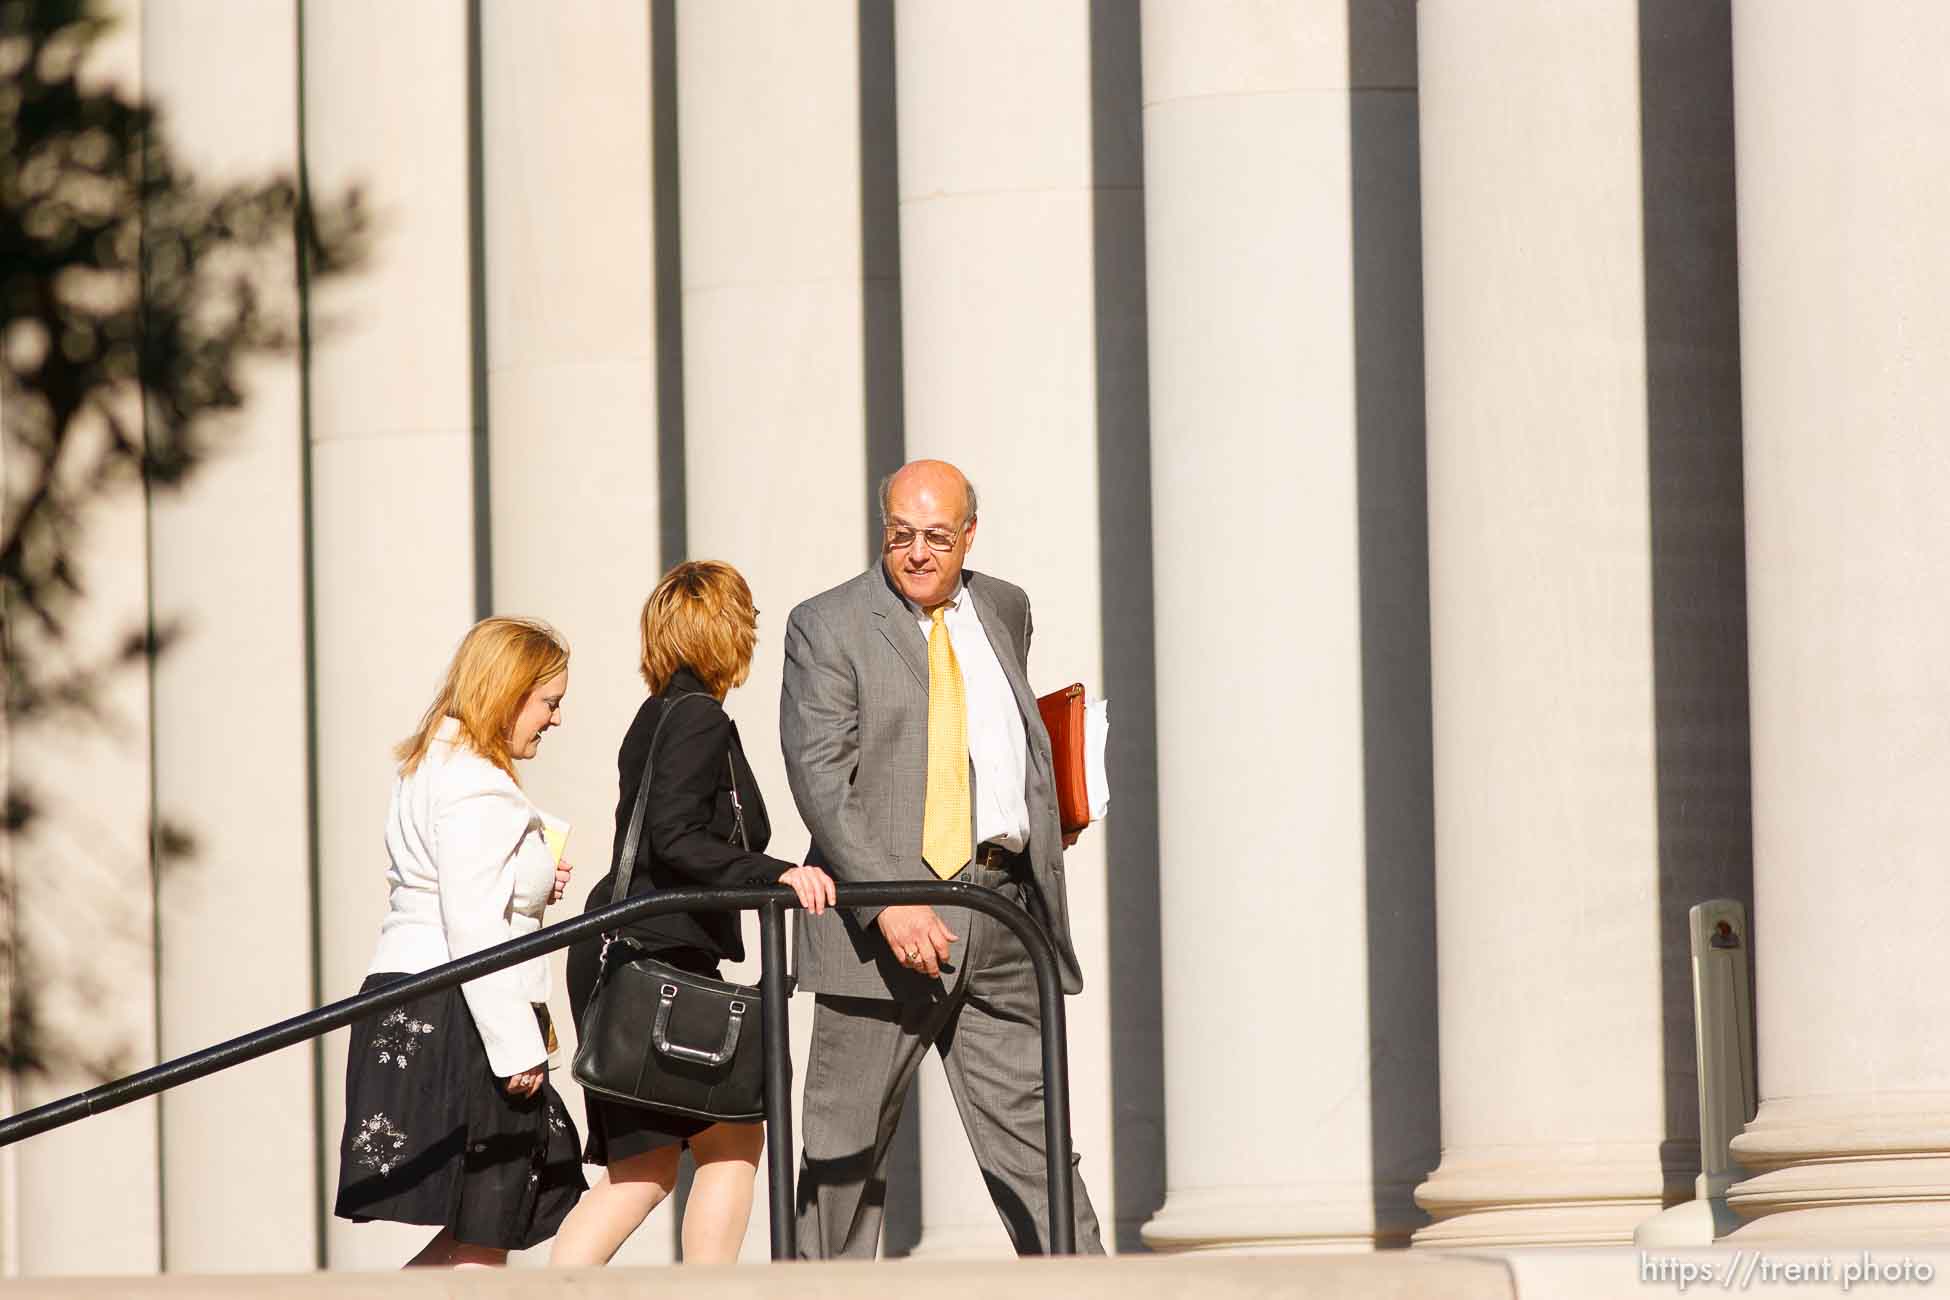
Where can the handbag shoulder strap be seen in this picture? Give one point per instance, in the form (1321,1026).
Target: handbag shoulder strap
(619,886)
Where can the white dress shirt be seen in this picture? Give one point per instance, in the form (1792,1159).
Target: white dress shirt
(998,748)
(469,869)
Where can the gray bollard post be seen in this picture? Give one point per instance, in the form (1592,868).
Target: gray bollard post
(1723,1044)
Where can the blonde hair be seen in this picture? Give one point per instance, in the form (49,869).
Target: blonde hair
(700,614)
(497,664)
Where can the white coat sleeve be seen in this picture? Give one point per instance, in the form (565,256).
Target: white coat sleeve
(477,833)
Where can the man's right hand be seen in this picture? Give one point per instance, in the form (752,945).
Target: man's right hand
(917,936)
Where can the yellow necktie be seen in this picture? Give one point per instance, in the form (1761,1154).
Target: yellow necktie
(945,819)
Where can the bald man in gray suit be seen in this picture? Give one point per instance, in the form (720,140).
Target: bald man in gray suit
(891,982)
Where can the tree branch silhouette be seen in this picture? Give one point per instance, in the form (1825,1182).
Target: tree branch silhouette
(133,297)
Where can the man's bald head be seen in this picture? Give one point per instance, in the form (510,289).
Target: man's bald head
(935,478)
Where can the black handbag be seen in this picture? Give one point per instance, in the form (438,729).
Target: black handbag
(658,1036)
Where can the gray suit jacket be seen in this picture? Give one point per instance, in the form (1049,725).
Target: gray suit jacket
(853,721)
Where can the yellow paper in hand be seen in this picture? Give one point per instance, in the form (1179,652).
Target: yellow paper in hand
(555,834)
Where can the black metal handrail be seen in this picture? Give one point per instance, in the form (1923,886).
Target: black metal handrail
(771,903)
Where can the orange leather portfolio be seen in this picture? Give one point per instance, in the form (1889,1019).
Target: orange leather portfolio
(1063,718)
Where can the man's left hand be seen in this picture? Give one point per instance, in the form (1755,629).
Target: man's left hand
(917,935)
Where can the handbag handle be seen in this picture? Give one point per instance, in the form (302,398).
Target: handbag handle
(660,1031)
(619,885)
(737,806)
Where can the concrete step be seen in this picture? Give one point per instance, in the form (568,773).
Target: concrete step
(1136,1277)
(1606,1273)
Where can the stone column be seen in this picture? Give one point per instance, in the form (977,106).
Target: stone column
(393,483)
(1844,177)
(789,327)
(1022,337)
(572,398)
(83,906)
(230,709)
(1584,542)
(1298,913)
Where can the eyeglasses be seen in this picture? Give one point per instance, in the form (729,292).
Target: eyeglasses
(901,536)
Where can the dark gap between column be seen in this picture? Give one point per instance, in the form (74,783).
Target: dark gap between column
(666,260)
(1123,415)
(1397,739)
(477,323)
(1697,513)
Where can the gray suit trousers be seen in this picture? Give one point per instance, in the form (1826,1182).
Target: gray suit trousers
(987,1028)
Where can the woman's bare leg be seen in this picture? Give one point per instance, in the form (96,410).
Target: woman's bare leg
(614,1208)
(444,1252)
(720,1204)
(466,1256)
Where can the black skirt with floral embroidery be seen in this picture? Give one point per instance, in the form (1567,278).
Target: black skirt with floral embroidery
(432,1136)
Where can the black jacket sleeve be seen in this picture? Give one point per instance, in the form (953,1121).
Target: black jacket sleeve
(692,766)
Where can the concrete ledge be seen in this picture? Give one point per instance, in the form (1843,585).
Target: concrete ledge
(1537,1274)
(1786,1274)
(1137,1277)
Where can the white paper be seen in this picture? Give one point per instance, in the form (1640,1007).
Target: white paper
(1096,777)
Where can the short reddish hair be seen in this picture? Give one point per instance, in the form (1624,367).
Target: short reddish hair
(700,614)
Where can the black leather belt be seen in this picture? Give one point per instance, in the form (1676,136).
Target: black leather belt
(996,858)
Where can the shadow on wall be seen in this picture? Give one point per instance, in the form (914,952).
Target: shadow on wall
(1694,466)
(477,349)
(133,299)
(668,283)
(880,257)
(1392,485)
(1129,630)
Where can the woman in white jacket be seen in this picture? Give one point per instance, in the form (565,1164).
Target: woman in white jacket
(449,1117)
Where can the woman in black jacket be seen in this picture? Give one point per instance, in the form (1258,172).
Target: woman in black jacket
(698,630)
